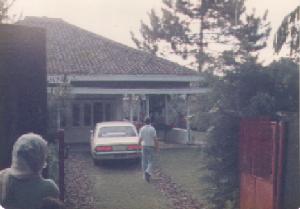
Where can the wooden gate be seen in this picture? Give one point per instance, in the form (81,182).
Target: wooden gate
(261,159)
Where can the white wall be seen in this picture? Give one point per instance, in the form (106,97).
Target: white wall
(180,136)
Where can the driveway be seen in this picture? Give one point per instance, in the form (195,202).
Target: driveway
(118,185)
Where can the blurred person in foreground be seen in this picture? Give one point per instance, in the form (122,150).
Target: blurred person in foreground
(51,203)
(22,185)
(148,140)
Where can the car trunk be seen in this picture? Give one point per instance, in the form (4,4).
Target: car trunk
(116,140)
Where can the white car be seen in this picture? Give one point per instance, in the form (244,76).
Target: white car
(115,140)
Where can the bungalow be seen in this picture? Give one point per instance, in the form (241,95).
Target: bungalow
(102,80)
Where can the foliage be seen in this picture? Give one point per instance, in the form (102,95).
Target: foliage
(220,159)
(251,34)
(289,33)
(53,162)
(5,7)
(285,77)
(199,31)
(250,90)
(57,105)
(177,111)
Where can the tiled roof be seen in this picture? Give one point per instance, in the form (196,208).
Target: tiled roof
(72,50)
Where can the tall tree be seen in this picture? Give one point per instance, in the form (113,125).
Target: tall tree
(289,33)
(5,7)
(200,30)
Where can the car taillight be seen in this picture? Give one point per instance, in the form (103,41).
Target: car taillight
(134,147)
(103,148)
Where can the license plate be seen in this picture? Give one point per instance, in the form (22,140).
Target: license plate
(119,148)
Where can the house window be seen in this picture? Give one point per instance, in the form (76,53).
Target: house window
(76,115)
(87,114)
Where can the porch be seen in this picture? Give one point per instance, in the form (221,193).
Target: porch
(92,101)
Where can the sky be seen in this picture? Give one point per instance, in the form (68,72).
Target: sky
(115,19)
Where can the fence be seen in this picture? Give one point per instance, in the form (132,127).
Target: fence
(269,163)
(291,169)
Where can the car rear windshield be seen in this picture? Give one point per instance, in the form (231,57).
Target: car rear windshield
(117,131)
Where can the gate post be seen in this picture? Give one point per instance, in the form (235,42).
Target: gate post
(61,166)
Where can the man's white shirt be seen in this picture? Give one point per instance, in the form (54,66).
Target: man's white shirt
(148,134)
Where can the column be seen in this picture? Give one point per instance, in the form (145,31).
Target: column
(58,118)
(166,110)
(139,109)
(188,128)
(92,114)
(147,106)
(131,107)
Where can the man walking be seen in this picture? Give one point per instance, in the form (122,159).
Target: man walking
(149,141)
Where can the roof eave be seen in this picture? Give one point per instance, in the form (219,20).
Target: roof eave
(120,77)
(99,91)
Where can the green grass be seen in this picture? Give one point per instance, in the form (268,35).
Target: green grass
(183,165)
(134,193)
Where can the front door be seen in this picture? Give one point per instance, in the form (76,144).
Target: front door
(157,108)
(98,112)
(107,112)
(102,112)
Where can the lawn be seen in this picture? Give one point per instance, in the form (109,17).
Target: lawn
(183,166)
